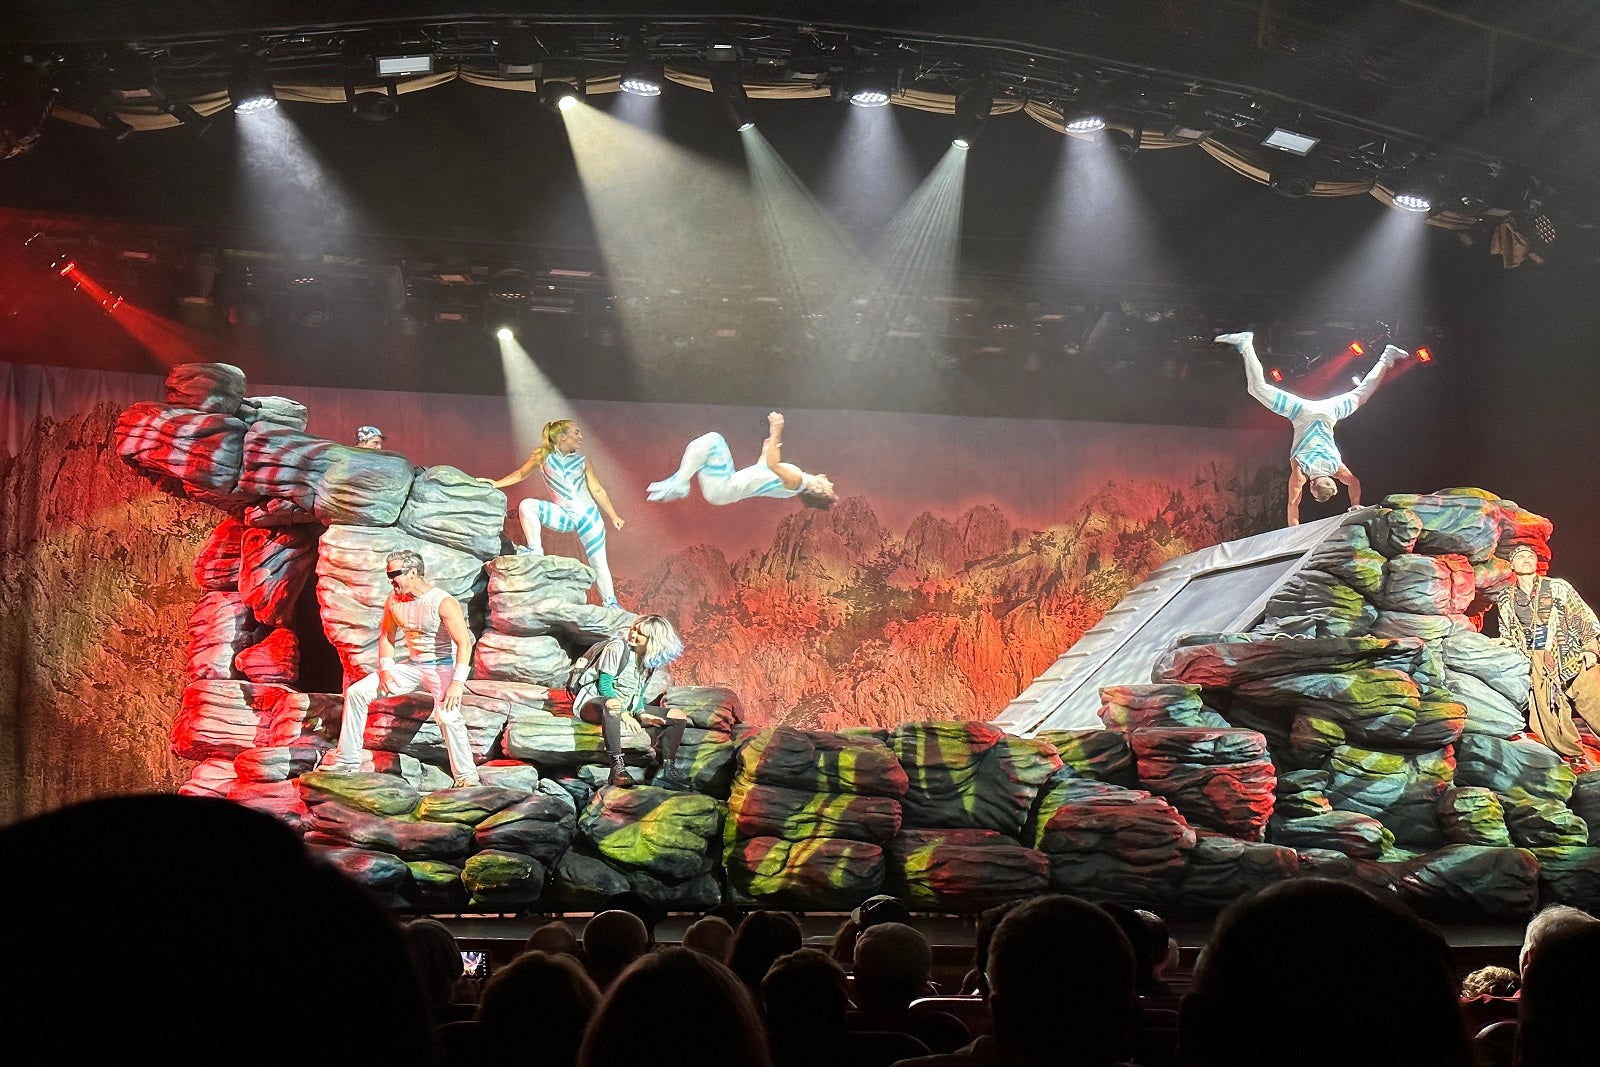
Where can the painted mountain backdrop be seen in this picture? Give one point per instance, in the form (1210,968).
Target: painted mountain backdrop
(841,622)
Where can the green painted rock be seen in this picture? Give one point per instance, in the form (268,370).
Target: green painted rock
(1103,755)
(502,879)
(1535,822)
(541,826)
(376,794)
(963,871)
(1472,881)
(1400,791)
(1569,875)
(1348,833)
(820,761)
(1513,768)
(774,811)
(406,837)
(671,835)
(816,874)
(1222,869)
(1473,815)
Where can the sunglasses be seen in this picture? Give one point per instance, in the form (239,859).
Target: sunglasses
(396,574)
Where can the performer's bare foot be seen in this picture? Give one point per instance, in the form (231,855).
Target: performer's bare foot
(1237,340)
(1393,353)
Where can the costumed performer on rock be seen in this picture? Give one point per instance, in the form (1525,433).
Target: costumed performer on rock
(438,658)
(1313,457)
(613,682)
(579,500)
(708,456)
(1547,621)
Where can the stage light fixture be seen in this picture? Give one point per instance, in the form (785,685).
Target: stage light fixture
(869,88)
(403,63)
(973,105)
(643,76)
(1083,118)
(1275,374)
(727,85)
(372,106)
(1124,142)
(560,95)
(183,112)
(1357,348)
(1413,200)
(518,53)
(308,303)
(1424,354)
(109,120)
(1291,141)
(199,279)
(505,333)
(249,87)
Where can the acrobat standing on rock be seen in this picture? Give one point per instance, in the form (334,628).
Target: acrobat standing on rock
(1313,457)
(709,457)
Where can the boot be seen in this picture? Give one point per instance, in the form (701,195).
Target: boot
(619,772)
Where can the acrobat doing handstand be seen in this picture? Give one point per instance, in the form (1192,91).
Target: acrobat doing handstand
(1313,457)
(708,456)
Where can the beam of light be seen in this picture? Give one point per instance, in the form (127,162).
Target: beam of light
(531,398)
(1387,273)
(870,171)
(1097,224)
(170,342)
(670,223)
(911,271)
(813,262)
(286,190)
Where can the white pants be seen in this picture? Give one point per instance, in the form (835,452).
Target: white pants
(408,678)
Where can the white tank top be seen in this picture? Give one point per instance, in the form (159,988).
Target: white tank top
(427,641)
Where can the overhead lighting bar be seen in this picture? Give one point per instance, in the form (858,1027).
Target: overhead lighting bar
(404,64)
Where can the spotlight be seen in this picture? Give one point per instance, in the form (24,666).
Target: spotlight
(642,76)
(973,105)
(1424,354)
(560,95)
(505,333)
(1290,183)
(308,303)
(1356,348)
(869,89)
(1084,118)
(728,86)
(1413,200)
(184,112)
(1275,374)
(1124,142)
(249,87)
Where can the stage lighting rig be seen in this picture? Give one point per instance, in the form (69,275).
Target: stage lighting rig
(727,85)
(1084,117)
(869,88)
(1292,141)
(518,53)
(1124,142)
(560,95)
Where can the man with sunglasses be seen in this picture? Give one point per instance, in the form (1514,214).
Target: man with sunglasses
(438,659)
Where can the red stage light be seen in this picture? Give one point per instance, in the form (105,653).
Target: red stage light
(1357,348)
(1424,355)
(1275,374)
(68,267)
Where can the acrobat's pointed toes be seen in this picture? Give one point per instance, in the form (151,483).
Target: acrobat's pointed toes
(1235,339)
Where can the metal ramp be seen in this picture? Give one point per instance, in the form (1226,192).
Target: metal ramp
(1220,589)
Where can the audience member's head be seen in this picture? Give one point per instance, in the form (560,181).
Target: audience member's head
(655,995)
(893,963)
(1288,961)
(1491,981)
(547,995)
(1147,933)
(194,957)
(1546,923)
(843,946)
(805,990)
(553,936)
(881,908)
(762,937)
(436,955)
(712,935)
(988,919)
(637,903)
(1560,989)
(1064,960)
(611,941)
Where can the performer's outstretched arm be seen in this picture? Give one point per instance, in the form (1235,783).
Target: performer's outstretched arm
(772,453)
(527,468)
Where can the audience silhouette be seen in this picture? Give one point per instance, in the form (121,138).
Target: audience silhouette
(712,935)
(191,923)
(611,941)
(644,1017)
(1560,989)
(806,1002)
(1292,968)
(761,938)
(540,1003)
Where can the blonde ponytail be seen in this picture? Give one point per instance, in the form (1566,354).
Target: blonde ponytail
(552,430)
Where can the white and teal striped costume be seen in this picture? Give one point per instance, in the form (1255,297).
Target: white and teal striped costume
(1313,448)
(573,511)
(709,457)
